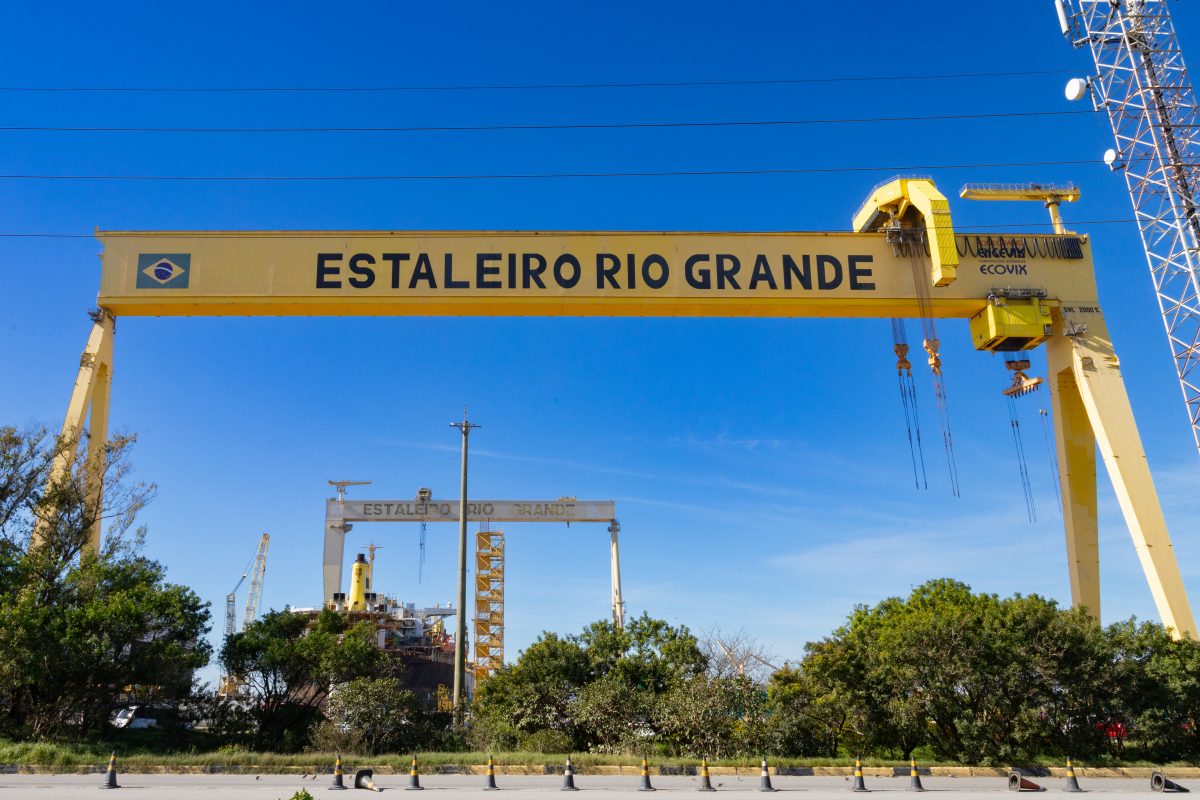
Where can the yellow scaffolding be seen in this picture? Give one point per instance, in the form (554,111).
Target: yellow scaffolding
(489,604)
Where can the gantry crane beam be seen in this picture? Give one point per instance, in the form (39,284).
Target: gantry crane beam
(1018,290)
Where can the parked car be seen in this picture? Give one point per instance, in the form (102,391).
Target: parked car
(136,718)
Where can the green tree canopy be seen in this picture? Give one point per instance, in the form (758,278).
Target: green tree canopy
(290,666)
(597,688)
(81,635)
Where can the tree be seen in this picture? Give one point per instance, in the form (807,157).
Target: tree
(606,675)
(533,694)
(615,715)
(380,713)
(713,716)
(976,677)
(648,654)
(1157,692)
(290,667)
(81,634)
(804,717)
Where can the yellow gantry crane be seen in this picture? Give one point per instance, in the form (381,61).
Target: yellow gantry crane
(904,259)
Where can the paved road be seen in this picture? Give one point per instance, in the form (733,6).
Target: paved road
(461,787)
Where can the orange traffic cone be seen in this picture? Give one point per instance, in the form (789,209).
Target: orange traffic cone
(1019,783)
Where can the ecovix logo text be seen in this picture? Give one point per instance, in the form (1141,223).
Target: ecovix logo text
(163,270)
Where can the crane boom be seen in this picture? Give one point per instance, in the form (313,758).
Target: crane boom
(256,581)
(1142,83)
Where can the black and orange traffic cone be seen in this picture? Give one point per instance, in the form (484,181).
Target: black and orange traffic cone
(764,778)
(705,781)
(914,780)
(1072,781)
(1161,783)
(859,784)
(489,785)
(337,774)
(110,777)
(365,779)
(569,777)
(1019,783)
(645,786)
(414,777)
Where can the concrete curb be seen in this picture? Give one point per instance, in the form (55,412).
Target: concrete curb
(556,769)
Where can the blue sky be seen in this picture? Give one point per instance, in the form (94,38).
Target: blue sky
(759,467)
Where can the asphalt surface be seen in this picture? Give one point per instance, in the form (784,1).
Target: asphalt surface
(460,787)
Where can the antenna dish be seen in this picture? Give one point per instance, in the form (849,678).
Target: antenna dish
(1110,158)
(1077,89)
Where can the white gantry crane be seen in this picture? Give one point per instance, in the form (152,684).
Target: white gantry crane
(1142,84)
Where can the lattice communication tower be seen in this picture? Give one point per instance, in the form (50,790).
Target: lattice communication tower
(1143,85)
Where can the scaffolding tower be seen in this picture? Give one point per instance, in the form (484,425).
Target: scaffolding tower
(489,604)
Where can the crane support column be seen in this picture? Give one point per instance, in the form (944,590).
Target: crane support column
(1076,444)
(1083,355)
(93,385)
(618,603)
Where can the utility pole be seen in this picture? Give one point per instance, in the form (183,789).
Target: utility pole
(460,637)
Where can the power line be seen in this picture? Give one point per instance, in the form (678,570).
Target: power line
(541,175)
(537,126)
(521,86)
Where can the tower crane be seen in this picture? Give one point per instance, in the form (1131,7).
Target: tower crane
(230,684)
(256,581)
(1141,82)
(231,604)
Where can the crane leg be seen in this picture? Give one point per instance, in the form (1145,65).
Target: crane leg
(97,455)
(1100,391)
(1076,444)
(334,554)
(91,392)
(618,603)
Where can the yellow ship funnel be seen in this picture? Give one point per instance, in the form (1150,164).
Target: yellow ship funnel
(358,584)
